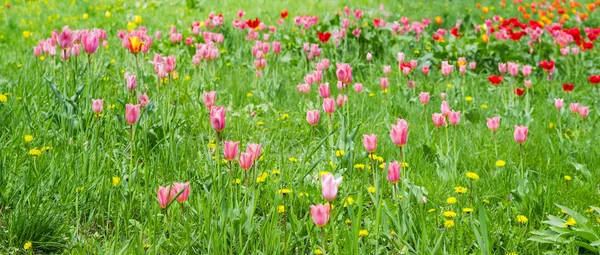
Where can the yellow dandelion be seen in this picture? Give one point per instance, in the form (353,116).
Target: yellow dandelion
(348,222)
(293,160)
(323,173)
(249,94)
(500,163)
(85,16)
(237,181)
(275,172)
(35,152)
(26,34)
(484,106)
(449,223)
(359,166)
(449,214)
(404,164)
(371,189)
(451,200)
(285,116)
(349,201)
(3,98)
(460,190)
(467,210)
(472,176)
(284,191)
(570,222)
(512,253)
(551,125)
(115,181)
(363,232)
(146,245)
(107,14)
(339,153)
(27,245)
(281,209)
(262,177)
(260,123)
(318,252)
(28,138)
(449,85)
(567,178)
(485,201)
(431,210)
(522,219)
(468,99)
(137,19)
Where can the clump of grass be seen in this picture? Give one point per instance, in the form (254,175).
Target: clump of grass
(38,223)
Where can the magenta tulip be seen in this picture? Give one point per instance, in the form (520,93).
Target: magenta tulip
(217,118)
(370,142)
(230,149)
(399,132)
(320,214)
(393,172)
(132,113)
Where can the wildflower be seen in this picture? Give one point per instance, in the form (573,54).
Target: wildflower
(281,209)
(146,245)
(35,152)
(522,219)
(275,172)
(484,106)
(46,148)
(431,210)
(467,210)
(349,201)
(363,232)
(500,163)
(339,153)
(551,125)
(137,19)
(472,176)
(237,181)
(468,99)
(460,190)
(3,98)
(449,214)
(28,138)
(27,245)
(318,252)
(404,164)
(371,189)
(260,123)
(449,223)
(512,253)
(115,181)
(293,160)
(249,94)
(567,178)
(261,178)
(284,191)
(451,200)
(348,222)
(485,201)
(107,14)
(359,166)
(570,222)
(79,189)
(85,16)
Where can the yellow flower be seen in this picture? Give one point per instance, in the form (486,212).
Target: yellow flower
(570,222)
(135,45)
(484,106)
(249,94)
(85,16)
(285,116)
(115,181)
(35,152)
(281,209)
(363,232)
(339,153)
(431,210)
(46,148)
(371,189)
(323,173)
(146,245)
(237,181)
(485,201)
(79,189)
(293,160)
(449,223)
(404,164)
(567,178)
(137,19)
(449,85)
(468,99)
(360,166)
(500,163)
(371,94)
(28,138)
(589,210)
(303,194)
(3,98)
(512,253)
(318,252)
(382,165)
(449,214)
(260,123)
(460,190)
(472,176)
(348,222)
(275,172)
(349,201)
(284,191)
(522,219)
(551,125)
(107,14)
(212,145)
(27,245)
(451,200)
(261,178)
(467,210)
(26,34)
(130,26)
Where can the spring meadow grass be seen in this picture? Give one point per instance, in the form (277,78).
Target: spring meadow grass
(80,176)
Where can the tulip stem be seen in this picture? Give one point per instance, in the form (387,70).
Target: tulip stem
(330,121)
(313,134)
(495,144)
(521,153)
(322,239)
(454,146)
(131,147)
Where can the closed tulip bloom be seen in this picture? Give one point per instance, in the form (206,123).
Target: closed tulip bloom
(520,133)
(445,108)
(344,73)
(178,187)
(303,88)
(324,90)
(424,97)
(558,103)
(170,64)
(132,113)
(320,214)
(329,105)
(369,56)
(209,99)
(393,172)
(443,96)
(312,117)
(384,83)
(165,195)
(276,47)
(526,69)
(245,160)
(454,117)
(473,65)
(143,100)
(97,105)
(217,118)
(329,186)
(425,70)
(255,149)
(90,42)
(230,149)
(65,38)
(358,87)
(131,81)
(438,119)
(370,142)
(527,83)
(387,70)
(584,111)
(399,132)
(341,100)
(493,123)
(574,107)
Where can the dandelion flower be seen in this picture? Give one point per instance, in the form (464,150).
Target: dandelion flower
(28,138)
(522,219)
(27,245)
(570,222)
(451,200)
(467,210)
(363,232)
(293,160)
(500,163)
(371,189)
(567,178)
(3,98)
(284,191)
(472,176)
(318,252)
(35,152)
(115,181)
(281,209)
(449,223)
(460,190)
(449,214)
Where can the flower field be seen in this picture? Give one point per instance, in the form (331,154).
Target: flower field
(315,127)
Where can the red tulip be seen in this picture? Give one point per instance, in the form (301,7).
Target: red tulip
(253,23)
(519,91)
(547,65)
(284,14)
(324,36)
(495,79)
(594,79)
(568,87)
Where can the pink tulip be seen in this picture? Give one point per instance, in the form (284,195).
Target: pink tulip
(329,186)
(393,172)
(584,111)
(255,149)
(520,133)
(276,47)
(245,160)
(341,100)
(502,67)
(65,38)
(169,64)
(217,118)
(445,108)
(37,51)
(165,195)
(329,105)
(527,83)
(526,69)
(574,107)
(493,123)
(558,103)
(443,96)
(384,83)
(438,120)
(320,214)
(132,113)
(425,70)
(358,87)
(230,149)
(410,84)
(97,105)
(454,117)
(424,97)
(324,90)
(370,142)
(344,73)
(178,187)
(387,70)
(312,117)
(399,132)
(472,65)
(400,57)
(209,99)
(90,42)
(143,100)
(340,85)
(303,88)
(131,81)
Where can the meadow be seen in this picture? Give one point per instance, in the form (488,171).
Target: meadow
(313,127)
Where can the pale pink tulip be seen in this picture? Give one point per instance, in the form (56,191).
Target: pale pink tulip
(230,149)
(399,132)
(97,105)
(132,113)
(329,186)
(370,142)
(320,214)
(520,133)
(393,172)
(217,118)
(312,117)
